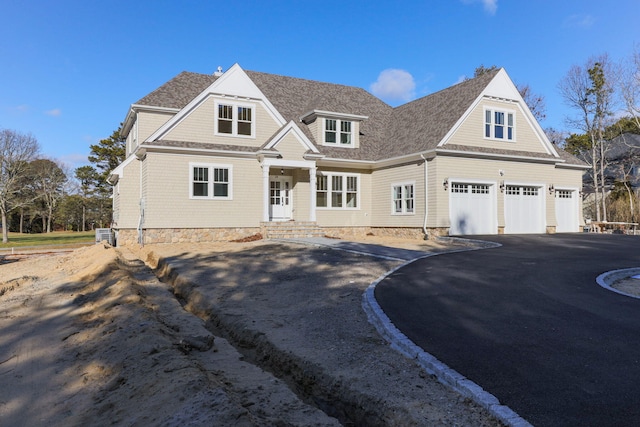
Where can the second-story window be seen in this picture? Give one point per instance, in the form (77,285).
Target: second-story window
(234,120)
(499,125)
(339,132)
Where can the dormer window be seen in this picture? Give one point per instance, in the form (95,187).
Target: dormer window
(338,132)
(499,124)
(234,119)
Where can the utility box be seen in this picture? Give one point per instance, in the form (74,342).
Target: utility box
(104,235)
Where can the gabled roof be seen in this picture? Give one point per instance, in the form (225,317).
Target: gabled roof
(179,91)
(421,124)
(387,132)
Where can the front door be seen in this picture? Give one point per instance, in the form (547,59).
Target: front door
(280,196)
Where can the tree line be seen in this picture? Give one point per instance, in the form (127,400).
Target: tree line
(604,97)
(40,195)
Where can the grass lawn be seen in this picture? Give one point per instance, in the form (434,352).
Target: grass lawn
(48,239)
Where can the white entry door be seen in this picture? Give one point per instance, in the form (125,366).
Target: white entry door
(280,198)
(566,211)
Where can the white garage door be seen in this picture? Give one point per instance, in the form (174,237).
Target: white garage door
(566,211)
(523,210)
(471,209)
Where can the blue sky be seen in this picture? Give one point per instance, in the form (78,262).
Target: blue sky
(70,69)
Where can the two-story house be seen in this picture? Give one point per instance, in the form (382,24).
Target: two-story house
(223,156)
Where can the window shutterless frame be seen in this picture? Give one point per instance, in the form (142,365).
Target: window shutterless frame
(234,119)
(208,181)
(499,124)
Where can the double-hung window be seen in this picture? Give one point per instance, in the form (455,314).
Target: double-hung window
(209,181)
(499,124)
(338,132)
(337,191)
(234,119)
(403,201)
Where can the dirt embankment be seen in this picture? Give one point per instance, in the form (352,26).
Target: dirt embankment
(95,338)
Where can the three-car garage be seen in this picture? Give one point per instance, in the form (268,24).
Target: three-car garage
(473,208)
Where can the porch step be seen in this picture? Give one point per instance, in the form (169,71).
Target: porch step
(290,229)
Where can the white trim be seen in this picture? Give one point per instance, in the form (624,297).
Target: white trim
(234,119)
(501,87)
(338,132)
(302,164)
(291,127)
(210,182)
(333,115)
(235,84)
(403,198)
(492,124)
(344,175)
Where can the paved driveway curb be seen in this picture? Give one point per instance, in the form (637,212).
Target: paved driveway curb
(428,362)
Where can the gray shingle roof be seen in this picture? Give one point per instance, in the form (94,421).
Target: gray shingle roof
(387,132)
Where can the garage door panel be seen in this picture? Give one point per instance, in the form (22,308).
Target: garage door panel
(524,210)
(566,211)
(471,209)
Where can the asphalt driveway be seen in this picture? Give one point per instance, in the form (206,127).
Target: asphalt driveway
(528,322)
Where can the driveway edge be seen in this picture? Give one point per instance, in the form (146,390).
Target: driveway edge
(449,377)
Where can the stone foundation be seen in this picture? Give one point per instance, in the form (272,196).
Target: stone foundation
(126,237)
(185,235)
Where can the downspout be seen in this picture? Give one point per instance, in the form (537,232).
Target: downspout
(426,199)
(141,207)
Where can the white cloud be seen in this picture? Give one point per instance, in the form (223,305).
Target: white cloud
(394,85)
(579,21)
(56,112)
(490,6)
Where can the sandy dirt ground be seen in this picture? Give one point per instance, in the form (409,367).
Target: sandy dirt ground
(235,334)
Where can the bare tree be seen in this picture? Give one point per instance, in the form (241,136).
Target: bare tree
(589,90)
(16,151)
(630,85)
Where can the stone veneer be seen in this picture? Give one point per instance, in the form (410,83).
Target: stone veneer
(127,237)
(185,235)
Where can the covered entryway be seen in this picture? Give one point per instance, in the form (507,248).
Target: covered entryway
(280,198)
(524,209)
(472,209)
(567,211)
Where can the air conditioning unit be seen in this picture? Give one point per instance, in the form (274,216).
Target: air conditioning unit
(104,235)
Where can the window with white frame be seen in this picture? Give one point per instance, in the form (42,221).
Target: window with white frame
(338,132)
(337,191)
(234,119)
(499,124)
(210,181)
(403,198)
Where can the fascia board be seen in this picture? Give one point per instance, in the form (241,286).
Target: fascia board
(185,150)
(497,156)
(291,127)
(232,83)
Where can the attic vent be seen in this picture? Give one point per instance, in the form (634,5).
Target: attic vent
(218,72)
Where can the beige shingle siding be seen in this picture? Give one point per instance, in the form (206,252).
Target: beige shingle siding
(471,132)
(301,195)
(149,122)
(169,206)
(129,193)
(290,148)
(360,217)
(199,126)
(381,199)
(517,173)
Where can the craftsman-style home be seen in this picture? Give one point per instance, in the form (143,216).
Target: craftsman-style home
(230,155)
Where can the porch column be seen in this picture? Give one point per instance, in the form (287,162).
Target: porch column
(312,194)
(265,193)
